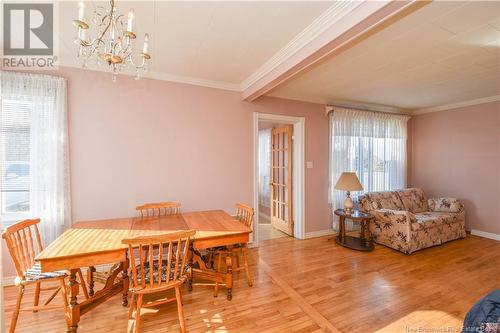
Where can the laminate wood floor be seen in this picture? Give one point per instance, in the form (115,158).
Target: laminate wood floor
(315,286)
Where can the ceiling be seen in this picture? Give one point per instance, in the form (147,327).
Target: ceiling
(205,41)
(444,53)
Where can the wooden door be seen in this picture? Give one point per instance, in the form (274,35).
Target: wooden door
(281,178)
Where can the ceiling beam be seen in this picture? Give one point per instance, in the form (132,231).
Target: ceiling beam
(340,34)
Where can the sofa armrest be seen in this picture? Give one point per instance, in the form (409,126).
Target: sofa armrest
(445,205)
(396,222)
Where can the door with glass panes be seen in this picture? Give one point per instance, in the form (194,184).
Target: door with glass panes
(281,178)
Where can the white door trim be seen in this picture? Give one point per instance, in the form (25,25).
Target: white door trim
(298,169)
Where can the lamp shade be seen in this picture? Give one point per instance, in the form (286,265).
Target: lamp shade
(348,181)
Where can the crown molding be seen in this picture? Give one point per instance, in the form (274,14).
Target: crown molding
(462,104)
(319,25)
(168,77)
(195,81)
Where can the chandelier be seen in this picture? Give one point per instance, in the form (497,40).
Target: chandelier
(111,41)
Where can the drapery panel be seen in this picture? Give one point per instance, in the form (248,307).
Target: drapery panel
(264,167)
(43,149)
(372,144)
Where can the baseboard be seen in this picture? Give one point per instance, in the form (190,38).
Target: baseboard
(485,234)
(8,281)
(320,233)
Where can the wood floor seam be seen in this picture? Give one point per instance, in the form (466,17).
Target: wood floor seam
(308,309)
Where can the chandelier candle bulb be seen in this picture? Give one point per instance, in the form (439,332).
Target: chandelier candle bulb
(130,20)
(145,49)
(81,10)
(82,34)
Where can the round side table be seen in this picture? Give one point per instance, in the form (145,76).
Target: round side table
(361,243)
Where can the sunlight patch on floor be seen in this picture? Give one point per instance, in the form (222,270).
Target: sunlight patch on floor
(412,322)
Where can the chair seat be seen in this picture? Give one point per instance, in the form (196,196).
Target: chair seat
(428,220)
(155,271)
(35,273)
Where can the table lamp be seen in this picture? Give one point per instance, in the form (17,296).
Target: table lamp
(348,181)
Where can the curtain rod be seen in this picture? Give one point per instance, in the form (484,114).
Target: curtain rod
(330,107)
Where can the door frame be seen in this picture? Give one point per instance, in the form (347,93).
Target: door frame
(298,173)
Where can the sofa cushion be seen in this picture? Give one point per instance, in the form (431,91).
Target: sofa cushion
(445,205)
(414,200)
(364,203)
(385,200)
(428,220)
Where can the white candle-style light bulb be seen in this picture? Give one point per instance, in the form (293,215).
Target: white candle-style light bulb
(81,10)
(82,34)
(130,20)
(145,49)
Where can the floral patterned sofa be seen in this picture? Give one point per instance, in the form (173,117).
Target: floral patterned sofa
(407,221)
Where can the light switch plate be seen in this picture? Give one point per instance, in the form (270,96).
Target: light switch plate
(309,164)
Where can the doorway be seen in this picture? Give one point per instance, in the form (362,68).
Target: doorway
(278,176)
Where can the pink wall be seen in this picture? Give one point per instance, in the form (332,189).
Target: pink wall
(456,153)
(140,141)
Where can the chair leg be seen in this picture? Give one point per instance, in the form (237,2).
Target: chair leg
(219,266)
(64,292)
(52,296)
(180,309)
(138,313)
(245,263)
(131,306)
(15,315)
(37,295)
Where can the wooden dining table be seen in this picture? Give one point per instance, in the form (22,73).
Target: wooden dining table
(99,242)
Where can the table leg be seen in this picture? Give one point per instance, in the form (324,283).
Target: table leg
(125,279)
(368,236)
(190,265)
(90,280)
(342,228)
(362,231)
(73,311)
(229,274)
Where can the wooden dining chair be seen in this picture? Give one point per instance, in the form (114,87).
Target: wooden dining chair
(146,210)
(24,243)
(244,214)
(159,209)
(162,266)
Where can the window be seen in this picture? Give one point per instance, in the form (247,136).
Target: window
(34,166)
(372,144)
(15,159)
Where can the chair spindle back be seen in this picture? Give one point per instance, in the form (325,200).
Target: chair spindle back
(244,214)
(157,254)
(159,209)
(24,243)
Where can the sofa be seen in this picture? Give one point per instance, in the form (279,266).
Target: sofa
(407,221)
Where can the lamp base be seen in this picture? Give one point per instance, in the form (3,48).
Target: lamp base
(348,204)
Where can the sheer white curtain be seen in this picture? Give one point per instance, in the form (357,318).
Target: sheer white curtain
(264,167)
(372,144)
(43,99)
